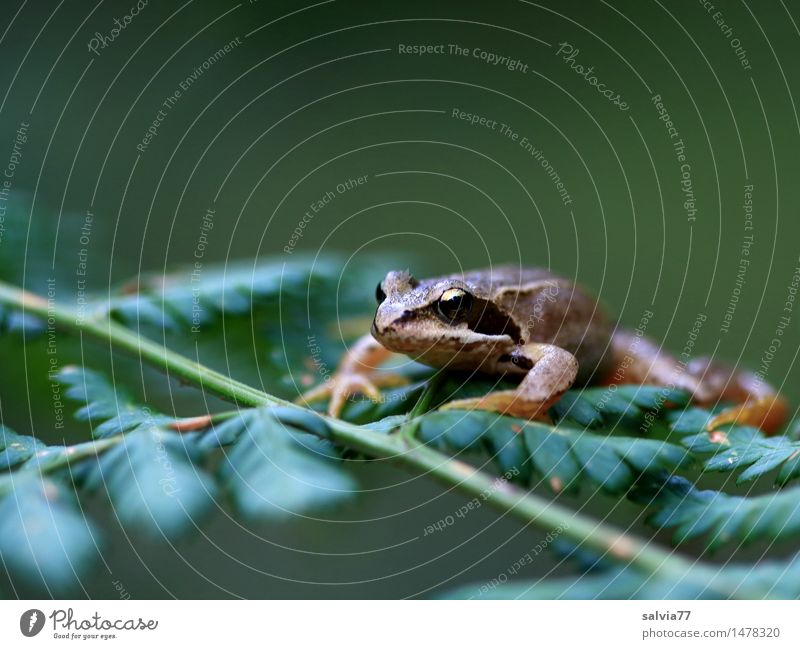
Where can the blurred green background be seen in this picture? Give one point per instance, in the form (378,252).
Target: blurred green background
(309,96)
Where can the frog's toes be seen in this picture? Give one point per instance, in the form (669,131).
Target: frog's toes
(462,404)
(385,379)
(339,388)
(766,413)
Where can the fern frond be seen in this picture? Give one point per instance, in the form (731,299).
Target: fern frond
(768,579)
(744,447)
(610,406)
(278,464)
(616,583)
(16,449)
(12,321)
(566,457)
(181,300)
(44,538)
(277,470)
(108,409)
(690,421)
(720,517)
(623,404)
(154,482)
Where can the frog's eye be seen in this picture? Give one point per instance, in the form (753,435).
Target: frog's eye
(455,304)
(380,296)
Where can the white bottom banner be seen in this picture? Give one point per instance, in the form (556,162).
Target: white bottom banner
(388,624)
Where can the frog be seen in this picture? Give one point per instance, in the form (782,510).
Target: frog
(533,325)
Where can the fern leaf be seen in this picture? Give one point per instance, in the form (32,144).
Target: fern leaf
(166,497)
(176,301)
(13,321)
(22,456)
(108,409)
(587,407)
(575,408)
(720,517)
(625,404)
(152,476)
(44,538)
(154,482)
(690,421)
(563,456)
(745,447)
(617,583)
(16,449)
(275,470)
(768,579)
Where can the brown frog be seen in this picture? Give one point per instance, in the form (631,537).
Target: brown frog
(533,324)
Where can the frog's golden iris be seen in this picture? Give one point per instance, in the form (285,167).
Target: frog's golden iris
(454,305)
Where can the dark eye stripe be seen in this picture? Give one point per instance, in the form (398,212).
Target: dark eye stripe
(380,296)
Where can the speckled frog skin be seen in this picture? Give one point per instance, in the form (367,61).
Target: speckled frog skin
(527,322)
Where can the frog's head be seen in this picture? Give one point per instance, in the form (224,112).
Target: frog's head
(439,320)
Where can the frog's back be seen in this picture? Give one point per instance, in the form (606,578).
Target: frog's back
(549,309)
(487,282)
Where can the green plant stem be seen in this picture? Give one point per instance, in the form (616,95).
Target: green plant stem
(401,449)
(409,429)
(58,457)
(157,355)
(423,404)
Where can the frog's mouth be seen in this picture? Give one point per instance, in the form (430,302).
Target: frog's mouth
(463,343)
(395,317)
(475,352)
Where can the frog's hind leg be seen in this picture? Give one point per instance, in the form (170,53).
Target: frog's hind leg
(757,403)
(639,360)
(552,372)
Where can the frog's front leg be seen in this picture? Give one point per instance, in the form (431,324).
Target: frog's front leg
(355,375)
(552,372)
